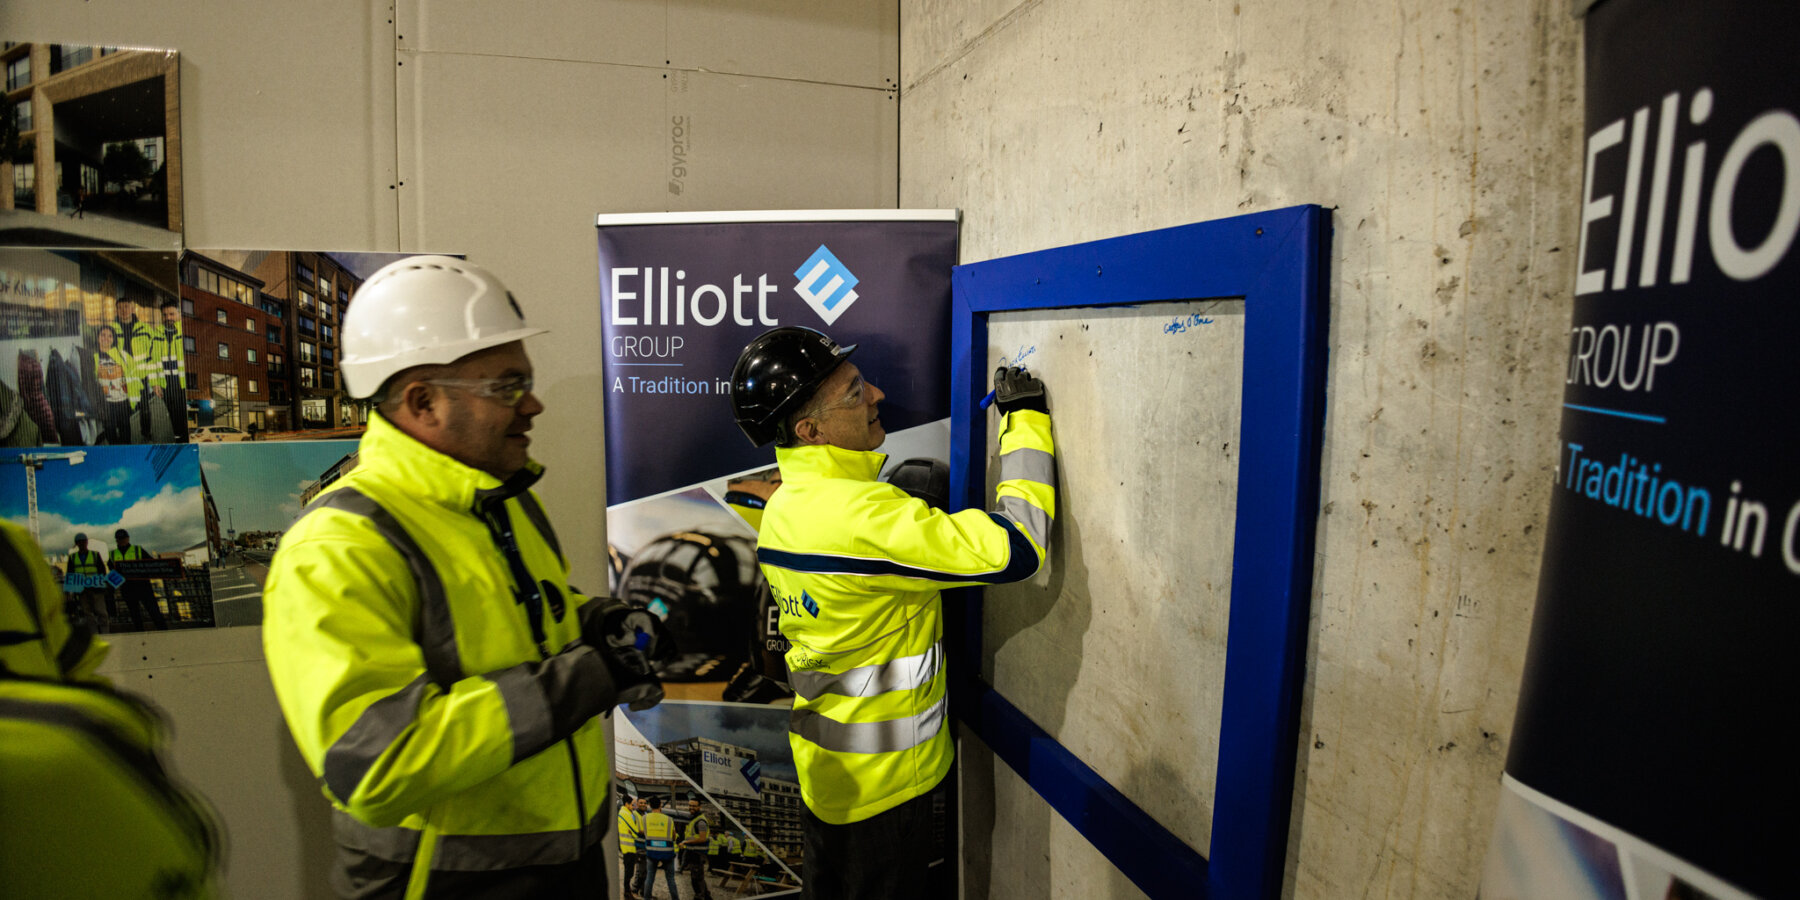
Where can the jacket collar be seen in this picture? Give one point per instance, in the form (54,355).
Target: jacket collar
(827,461)
(431,475)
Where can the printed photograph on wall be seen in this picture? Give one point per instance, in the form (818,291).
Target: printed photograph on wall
(124,529)
(92,348)
(732,761)
(262,332)
(254,492)
(90,147)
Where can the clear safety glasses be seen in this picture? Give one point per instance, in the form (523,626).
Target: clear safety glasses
(852,399)
(508,391)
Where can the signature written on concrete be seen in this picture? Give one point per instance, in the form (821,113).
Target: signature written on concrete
(1194,320)
(1018,359)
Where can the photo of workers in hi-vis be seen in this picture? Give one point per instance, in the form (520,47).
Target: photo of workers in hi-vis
(92,349)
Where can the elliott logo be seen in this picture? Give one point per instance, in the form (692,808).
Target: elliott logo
(826,285)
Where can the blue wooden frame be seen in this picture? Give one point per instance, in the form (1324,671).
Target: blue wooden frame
(1275,261)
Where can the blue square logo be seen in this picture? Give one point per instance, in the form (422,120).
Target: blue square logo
(826,284)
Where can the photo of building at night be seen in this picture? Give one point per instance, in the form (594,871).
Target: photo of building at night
(90,147)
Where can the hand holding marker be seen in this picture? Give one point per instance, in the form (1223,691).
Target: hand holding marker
(1015,388)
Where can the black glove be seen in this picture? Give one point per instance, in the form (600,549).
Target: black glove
(632,675)
(1015,389)
(628,638)
(609,623)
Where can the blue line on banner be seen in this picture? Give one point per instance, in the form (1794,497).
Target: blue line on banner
(1660,420)
(624,365)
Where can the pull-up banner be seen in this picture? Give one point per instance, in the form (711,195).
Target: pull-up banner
(1644,760)
(681,295)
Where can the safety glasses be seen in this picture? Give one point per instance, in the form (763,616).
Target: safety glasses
(852,399)
(509,391)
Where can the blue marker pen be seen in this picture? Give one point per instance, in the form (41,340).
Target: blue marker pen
(988,400)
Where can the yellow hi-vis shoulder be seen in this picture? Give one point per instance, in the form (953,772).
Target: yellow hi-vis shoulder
(856,566)
(36,638)
(89,809)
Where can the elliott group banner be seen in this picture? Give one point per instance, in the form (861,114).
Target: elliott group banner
(1644,761)
(681,295)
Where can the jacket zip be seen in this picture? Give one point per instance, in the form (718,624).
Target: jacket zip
(529,596)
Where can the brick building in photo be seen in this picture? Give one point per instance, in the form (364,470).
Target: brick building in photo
(263,331)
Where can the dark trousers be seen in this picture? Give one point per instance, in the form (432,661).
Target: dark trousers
(632,862)
(145,398)
(886,857)
(695,864)
(116,417)
(141,599)
(175,401)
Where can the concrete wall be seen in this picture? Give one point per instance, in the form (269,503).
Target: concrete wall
(1445,139)
(499,131)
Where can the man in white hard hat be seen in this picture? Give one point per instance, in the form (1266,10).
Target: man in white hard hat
(439,675)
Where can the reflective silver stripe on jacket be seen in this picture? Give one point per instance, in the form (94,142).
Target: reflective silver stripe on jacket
(1035,521)
(902,674)
(467,852)
(526,711)
(434,632)
(349,759)
(1034,466)
(1026,464)
(869,737)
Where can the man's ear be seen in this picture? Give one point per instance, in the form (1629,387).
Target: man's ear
(419,402)
(806,431)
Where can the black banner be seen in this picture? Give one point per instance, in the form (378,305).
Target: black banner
(1660,668)
(146,569)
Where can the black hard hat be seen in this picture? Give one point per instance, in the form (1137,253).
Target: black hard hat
(80,536)
(924,478)
(703,586)
(777,372)
(121,533)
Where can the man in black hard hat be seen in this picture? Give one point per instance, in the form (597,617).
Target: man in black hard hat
(855,566)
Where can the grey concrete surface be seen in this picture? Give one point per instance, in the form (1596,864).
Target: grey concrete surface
(1446,141)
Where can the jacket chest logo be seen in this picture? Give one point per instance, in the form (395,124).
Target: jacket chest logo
(793,606)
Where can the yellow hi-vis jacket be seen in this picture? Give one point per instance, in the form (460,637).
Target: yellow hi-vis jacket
(855,565)
(631,827)
(696,828)
(424,647)
(135,340)
(659,835)
(89,809)
(85,562)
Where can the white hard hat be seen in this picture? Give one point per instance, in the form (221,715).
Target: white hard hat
(424,310)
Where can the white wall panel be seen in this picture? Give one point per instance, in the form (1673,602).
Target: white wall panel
(287,112)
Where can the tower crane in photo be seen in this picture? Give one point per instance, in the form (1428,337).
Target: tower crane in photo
(32,463)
